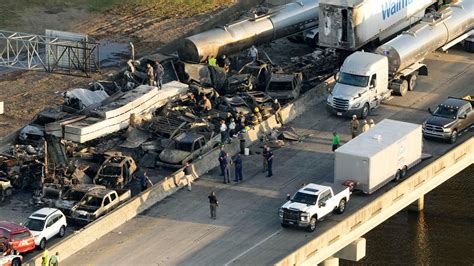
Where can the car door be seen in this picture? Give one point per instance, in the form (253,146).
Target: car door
(106,204)
(324,203)
(57,224)
(48,231)
(462,118)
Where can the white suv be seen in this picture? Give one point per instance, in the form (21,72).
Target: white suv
(46,223)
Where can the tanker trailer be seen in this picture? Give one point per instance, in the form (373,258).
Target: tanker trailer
(366,79)
(277,23)
(350,24)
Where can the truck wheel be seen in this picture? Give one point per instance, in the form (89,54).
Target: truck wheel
(62,231)
(469,46)
(454,137)
(341,207)
(8,192)
(284,225)
(400,87)
(16,262)
(412,82)
(403,173)
(42,244)
(398,175)
(312,225)
(365,111)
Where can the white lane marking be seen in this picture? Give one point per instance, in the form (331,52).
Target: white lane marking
(252,247)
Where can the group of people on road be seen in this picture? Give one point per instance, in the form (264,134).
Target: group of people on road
(355,125)
(226,163)
(155,74)
(46,260)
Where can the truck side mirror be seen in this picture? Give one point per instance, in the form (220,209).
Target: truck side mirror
(336,76)
(288,197)
(463,116)
(322,204)
(429,110)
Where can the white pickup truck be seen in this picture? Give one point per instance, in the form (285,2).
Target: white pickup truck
(313,202)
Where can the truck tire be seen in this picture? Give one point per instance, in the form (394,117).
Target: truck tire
(454,137)
(412,82)
(469,46)
(284,225)
(8,192)
(398,175)
(403,172)
(400,87)
(341,207)
(312,224)
(365,111)
(16,262)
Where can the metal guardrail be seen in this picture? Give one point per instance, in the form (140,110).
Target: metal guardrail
(383,207)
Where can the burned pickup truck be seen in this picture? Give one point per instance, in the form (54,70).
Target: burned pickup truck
(71,197)
(186,147)
(97,203)
(116,171)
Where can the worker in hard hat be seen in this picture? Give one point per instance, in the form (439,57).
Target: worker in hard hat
(354,126)
(45,258)
(257,113)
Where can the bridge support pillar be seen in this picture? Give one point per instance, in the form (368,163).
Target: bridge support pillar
(355,251)
(331,261)
(418,205)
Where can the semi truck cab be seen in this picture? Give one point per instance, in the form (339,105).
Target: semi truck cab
(361,85)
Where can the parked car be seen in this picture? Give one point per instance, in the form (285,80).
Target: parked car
(19,236)
(10,260)
(313,202)
(449,119)
(45,224)
(116,171)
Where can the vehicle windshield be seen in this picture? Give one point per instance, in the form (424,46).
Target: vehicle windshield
(353,80)
(22,235)
(280,86)
(34,224)
(73,195)
(111,170)
(304,198)
(184,146)
(445,111)
(93,201)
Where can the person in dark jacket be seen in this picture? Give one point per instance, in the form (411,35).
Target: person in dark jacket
(222,159)
(238,168)
(227,166)
(213,204)
(144,181)
(270,162)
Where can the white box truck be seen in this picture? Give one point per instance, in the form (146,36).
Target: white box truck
(376,157)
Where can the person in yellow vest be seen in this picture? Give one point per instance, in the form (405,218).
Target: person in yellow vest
(45,258)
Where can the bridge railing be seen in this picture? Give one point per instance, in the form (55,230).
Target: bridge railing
(383,207)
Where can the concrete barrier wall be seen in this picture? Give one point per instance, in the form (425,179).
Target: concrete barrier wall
(176,181)
(386,205)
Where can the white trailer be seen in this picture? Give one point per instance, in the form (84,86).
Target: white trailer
(376,157)
(350,24)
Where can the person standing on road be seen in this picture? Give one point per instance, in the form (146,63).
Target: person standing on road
(159,72)
(151,76)
(238,168)
(222,159)
(371,123)
(54,261)
(213,204)
(336,140)
(227,165)
(270,162)
(365,126)
(276,107)
(188,174)
(253,53)
(264,155)
(354,126)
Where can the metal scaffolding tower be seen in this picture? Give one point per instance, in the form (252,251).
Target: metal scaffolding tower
(56,52)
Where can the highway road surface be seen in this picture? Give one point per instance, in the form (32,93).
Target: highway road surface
(247,230)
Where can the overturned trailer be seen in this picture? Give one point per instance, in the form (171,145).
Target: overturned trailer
(277,23)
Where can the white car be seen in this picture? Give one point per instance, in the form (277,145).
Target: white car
(46,223)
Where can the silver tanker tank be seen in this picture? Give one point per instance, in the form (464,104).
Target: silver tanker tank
(279,22)
(427,36)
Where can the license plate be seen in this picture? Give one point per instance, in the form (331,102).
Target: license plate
(339,113)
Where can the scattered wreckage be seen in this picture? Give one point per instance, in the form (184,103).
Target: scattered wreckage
(116,172)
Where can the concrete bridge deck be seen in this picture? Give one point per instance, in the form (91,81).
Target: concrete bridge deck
(178,230)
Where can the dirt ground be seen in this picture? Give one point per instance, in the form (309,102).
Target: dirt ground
(26,93)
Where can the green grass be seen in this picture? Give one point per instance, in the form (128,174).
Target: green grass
(181,7)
